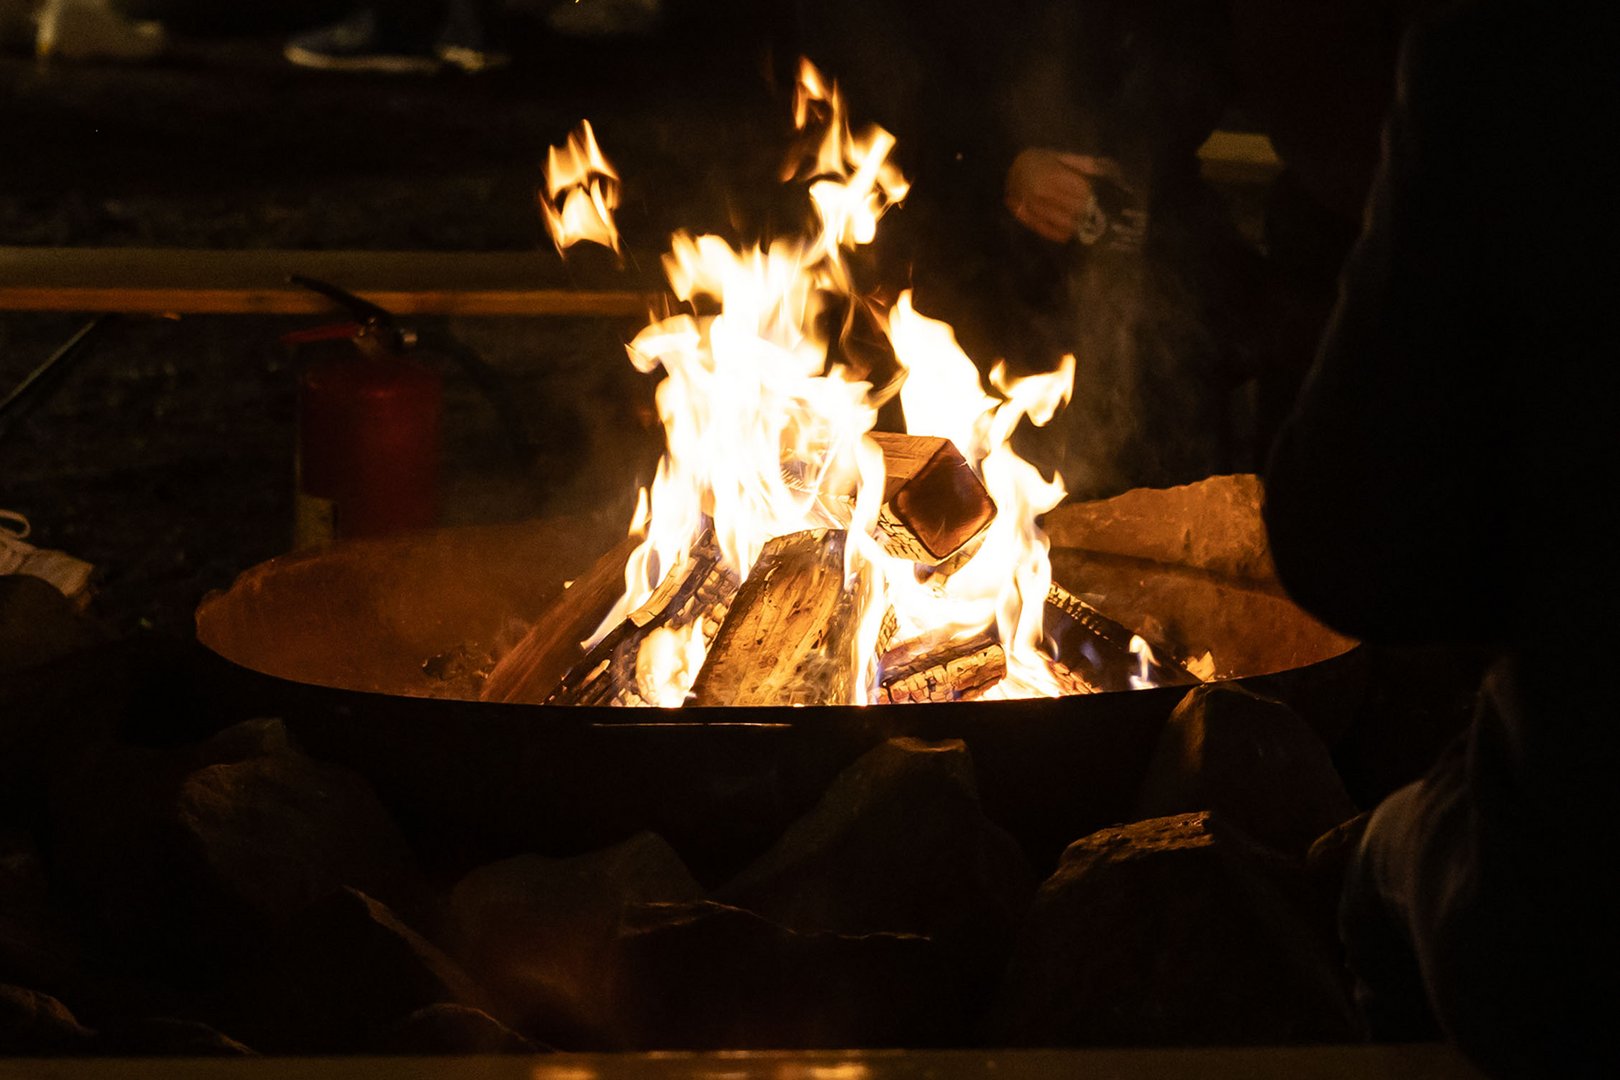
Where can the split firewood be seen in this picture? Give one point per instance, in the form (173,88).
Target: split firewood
(930,669)
(1070,683)
(697,591)
(790,636)
(1098,650)
(887,629)
(530,671)
(934,504)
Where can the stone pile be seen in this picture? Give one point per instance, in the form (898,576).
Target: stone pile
(231,894)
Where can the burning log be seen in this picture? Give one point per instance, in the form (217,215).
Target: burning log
(698,591)
(928,670)
(531,670)
(1102,653)
(1067,680)
(790,636)
(934,504)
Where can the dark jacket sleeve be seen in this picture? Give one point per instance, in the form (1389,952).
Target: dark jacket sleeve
(1446,477)
(1384,500)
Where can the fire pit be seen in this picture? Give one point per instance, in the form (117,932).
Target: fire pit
(363,647)
(786,554)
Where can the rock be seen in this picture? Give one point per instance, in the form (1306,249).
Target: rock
(55,717)
(280,830)
(1328,857)
(162,1036)
(37,947)
(897,843)
(1220,517)
(707,976)
(543,933)
(454,1029)
(248,739)
(1179,931)
(187,864)
(1251,760)
(33,1023)
(346,972)
(38,624)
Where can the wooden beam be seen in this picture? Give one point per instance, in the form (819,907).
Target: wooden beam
(197,282)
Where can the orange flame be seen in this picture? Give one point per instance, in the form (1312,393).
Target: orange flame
(852,181)
(581,193)
(764,437)
(1007,579)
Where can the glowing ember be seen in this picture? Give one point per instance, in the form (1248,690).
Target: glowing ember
(766,437)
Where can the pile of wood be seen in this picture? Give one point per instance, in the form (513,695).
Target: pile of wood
(788,635)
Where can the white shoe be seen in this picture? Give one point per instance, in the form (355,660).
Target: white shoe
(70,576)
(91,30)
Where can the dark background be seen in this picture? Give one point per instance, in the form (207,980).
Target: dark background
(165,454)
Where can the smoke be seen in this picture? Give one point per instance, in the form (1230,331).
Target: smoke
(1157,332)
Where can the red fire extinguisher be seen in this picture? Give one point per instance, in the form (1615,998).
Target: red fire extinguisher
(368,427)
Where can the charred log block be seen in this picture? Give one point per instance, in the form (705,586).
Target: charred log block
(698,590)
(930,669)
(934,504)
(552,646)
(790,636)
(1100,651)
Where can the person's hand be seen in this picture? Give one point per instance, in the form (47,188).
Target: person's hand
(1050,191)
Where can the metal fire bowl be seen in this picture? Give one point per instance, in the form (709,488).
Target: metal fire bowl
(334,640)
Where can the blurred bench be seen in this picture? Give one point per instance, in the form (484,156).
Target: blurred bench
(196,282)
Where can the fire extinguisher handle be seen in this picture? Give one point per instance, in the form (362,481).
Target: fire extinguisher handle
(373,318)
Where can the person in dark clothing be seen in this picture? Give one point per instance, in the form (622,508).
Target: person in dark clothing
(1317,78)
(1437,483)
(1000,119)
(1155,314)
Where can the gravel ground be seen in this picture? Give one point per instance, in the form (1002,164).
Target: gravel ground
(165,454)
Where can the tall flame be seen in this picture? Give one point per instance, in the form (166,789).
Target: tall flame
(852,180)
(766,437)
(1007,580)
(581,192)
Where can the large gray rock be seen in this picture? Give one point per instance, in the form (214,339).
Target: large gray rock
(897,843)
(544,933)
(1173,931)
(708,976)
(277,832)
(33,1023)
(344,975)
(190,860)
(1251,760)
